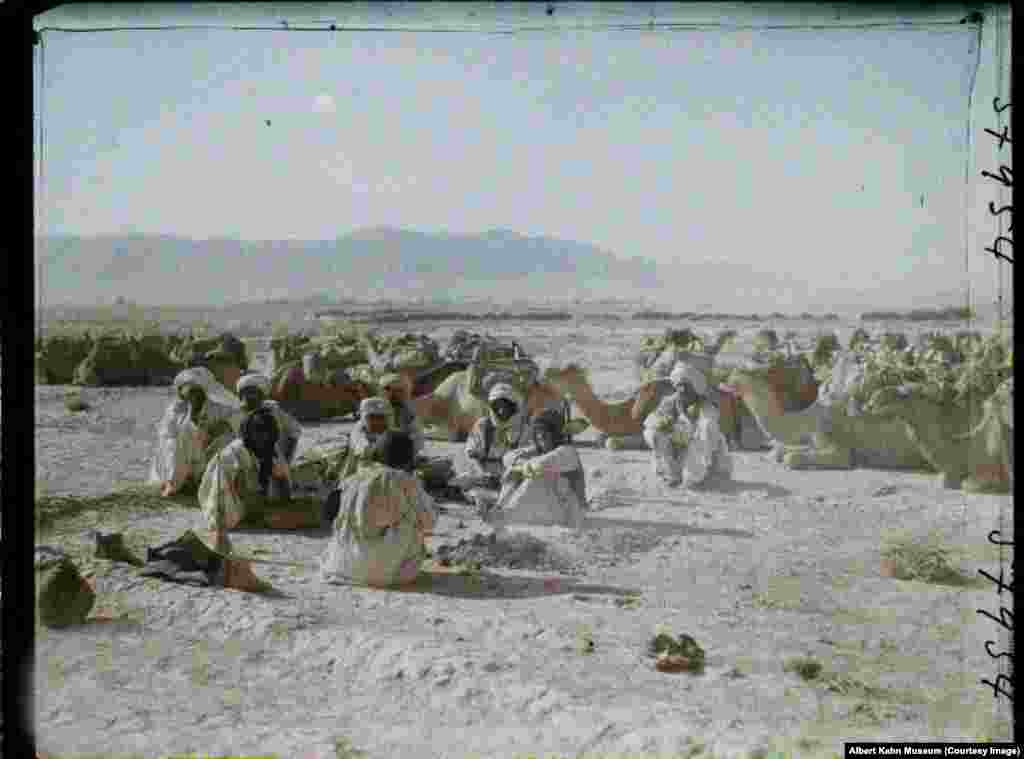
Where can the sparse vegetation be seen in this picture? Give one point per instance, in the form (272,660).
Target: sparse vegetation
(52,509)
(876,702)
(924,560)
(805,666)
(343,749)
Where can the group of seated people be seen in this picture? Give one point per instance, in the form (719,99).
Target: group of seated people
(522,470)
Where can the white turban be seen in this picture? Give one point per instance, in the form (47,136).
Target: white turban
(690,373)
(199,376)
(202,377)
(506,391)
(374,407)
(253,380)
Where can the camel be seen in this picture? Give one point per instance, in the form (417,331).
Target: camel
(730,410)
(825,436)
(967,444)
(452,407)
(310,401)
(383,362)
(612,420)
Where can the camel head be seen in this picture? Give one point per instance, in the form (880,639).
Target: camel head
(648,397)
(567,378)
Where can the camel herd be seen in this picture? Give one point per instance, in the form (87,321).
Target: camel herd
(762,405)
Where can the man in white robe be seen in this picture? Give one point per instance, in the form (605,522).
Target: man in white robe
(544,482)
(687,450)
(503,430)
(194,428)
(240,469)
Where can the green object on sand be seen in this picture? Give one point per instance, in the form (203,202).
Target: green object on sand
(63,597)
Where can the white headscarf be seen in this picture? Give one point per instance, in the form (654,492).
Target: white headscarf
(374,406)
(202,377)
(506,391)
(253,380)
(684,371)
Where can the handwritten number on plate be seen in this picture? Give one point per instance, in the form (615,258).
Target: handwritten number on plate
(1002,137)
(997,687)
(988,650)
(1005,176)
(1003,614)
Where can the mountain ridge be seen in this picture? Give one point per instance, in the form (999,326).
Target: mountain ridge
(382,262)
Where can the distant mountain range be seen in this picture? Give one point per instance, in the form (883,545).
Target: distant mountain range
(379,262)
(400,264)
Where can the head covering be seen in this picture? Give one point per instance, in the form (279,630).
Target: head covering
(504,391)
(374,407)
(690,373)
(257,381)
(200,376)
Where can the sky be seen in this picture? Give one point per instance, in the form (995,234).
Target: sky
(835,155)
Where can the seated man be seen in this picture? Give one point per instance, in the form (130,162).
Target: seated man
(374,417)
(384,517)
(249,465)
(503,429)
(544,483)
(194,428)
(396,392)
(687,449)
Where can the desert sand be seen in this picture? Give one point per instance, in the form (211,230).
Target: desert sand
(774,565)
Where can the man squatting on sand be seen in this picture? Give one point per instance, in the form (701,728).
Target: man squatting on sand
(502,430)
(253,443)
(256,463)
(687,445)
(384,515)
(543,483)
(194,428)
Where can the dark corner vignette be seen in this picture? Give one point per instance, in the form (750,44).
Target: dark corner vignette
(16,312)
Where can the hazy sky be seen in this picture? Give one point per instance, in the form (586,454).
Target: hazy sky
(806,151)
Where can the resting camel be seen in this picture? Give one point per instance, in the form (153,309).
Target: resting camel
(612,420)
(968,444)
(825,437)
(452,407)
(309,400)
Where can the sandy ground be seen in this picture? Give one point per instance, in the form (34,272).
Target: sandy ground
(774,565)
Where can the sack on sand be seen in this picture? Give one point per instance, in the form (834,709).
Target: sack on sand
(197,351)
(153,359)
(59,356)
(188,560)
(63,597)
(111,362)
